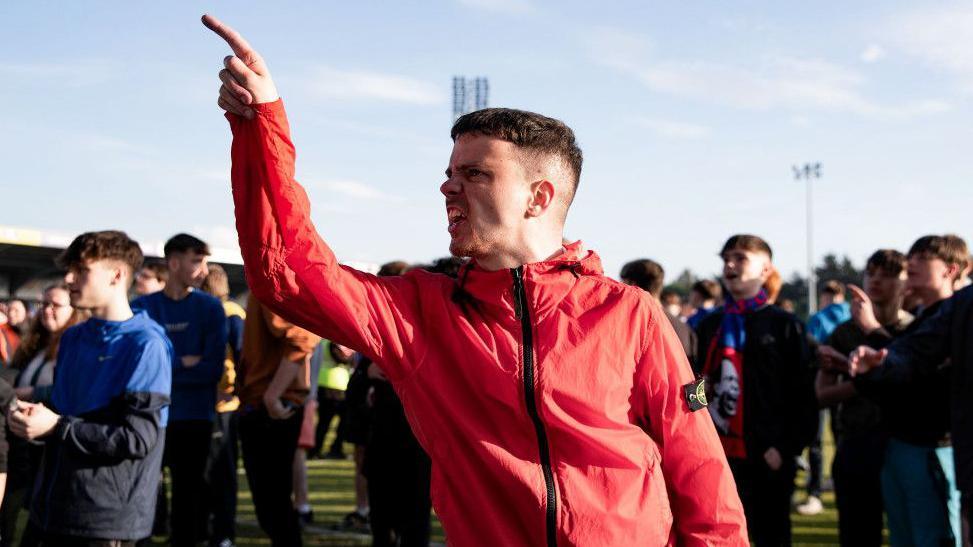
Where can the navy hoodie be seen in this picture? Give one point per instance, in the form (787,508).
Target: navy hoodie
(100,469)
(196,325)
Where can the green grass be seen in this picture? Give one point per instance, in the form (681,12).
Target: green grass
(331,487)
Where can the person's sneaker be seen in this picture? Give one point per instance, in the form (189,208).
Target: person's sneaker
(334,456)
(811,506)
(354,522)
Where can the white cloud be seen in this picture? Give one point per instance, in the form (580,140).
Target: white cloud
(940,36)
(80,73)
(773,82)
(872,53)
(675,130)
(355,189)
(500,6)
(336,84)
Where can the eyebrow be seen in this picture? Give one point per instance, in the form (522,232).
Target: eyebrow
(465,166)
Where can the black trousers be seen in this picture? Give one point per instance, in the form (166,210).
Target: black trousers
(268,455)
(328,408)
(766,497)
(856,471)
(221,475)
(186,452)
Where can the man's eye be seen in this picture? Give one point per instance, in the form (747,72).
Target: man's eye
(475,172)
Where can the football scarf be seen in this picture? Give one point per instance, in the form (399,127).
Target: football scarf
(725,373)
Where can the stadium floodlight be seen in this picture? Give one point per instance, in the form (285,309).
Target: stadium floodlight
(807,172)
(469,94)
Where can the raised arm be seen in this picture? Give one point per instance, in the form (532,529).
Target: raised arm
(705,505)
(289,267)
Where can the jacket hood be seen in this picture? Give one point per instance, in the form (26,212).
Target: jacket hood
(546,283)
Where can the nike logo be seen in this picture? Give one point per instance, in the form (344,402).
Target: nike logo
(104,357)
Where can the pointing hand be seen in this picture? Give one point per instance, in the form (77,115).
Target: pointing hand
(246,79)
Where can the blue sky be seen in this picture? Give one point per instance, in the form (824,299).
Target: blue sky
(690,115)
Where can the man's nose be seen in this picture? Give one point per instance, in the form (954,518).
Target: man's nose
(450,187)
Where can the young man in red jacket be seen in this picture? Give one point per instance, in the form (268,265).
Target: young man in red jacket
(556,404)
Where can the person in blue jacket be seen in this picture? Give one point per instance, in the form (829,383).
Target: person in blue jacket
(104,435)
(196,325)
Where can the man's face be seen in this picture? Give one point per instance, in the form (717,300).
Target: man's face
(188,268)
(883,288)
(92,284)
(744,272)
(147,282)
(487,194)
(16,312)
(928,274)
(727,390)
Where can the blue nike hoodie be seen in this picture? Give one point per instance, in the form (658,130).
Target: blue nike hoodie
(196,325)
(100,469)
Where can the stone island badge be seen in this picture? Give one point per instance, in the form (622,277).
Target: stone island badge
(696,394)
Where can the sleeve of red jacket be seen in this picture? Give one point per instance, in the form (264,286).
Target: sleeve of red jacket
(291,270)
(706,508)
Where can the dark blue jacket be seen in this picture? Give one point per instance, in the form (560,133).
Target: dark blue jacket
(196,325)
(100,469)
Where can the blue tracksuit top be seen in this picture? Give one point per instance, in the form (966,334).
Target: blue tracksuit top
(196,325)
(823,323)
(100,470)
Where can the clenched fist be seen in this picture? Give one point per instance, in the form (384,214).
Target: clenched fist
(246,80)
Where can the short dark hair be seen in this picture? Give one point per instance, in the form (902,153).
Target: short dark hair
(747,242)
(670,294)
(708,289)
(105,245)
(217,283)
(158,269)
(949,248)
(183,243)
(646,274)
(833,288)
(887,261)
(529,131)
(389,269)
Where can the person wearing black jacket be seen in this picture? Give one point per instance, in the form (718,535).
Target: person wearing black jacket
(943,335)
(918,474)
(772,376)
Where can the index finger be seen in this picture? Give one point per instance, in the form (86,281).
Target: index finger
(236,42)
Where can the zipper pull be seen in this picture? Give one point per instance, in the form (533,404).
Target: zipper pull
(518,287)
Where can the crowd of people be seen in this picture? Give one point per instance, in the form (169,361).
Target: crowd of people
(243,383)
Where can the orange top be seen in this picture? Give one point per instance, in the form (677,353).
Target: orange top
(267,340)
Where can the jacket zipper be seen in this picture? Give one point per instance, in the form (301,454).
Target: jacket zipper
(523,314)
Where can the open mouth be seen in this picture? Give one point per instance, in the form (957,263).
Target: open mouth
(455,216)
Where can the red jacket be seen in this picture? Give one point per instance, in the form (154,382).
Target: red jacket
(550,398)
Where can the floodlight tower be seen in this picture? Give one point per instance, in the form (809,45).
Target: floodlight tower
(807,172)
(469,94)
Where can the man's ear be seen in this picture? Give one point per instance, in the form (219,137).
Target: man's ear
(952,272)
(542,194)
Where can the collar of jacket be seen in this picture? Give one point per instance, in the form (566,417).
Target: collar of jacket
(546,283)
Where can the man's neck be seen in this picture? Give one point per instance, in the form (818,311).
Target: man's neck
(887,314)
(931,296)
(176,291)
(539,250)
(116,310)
